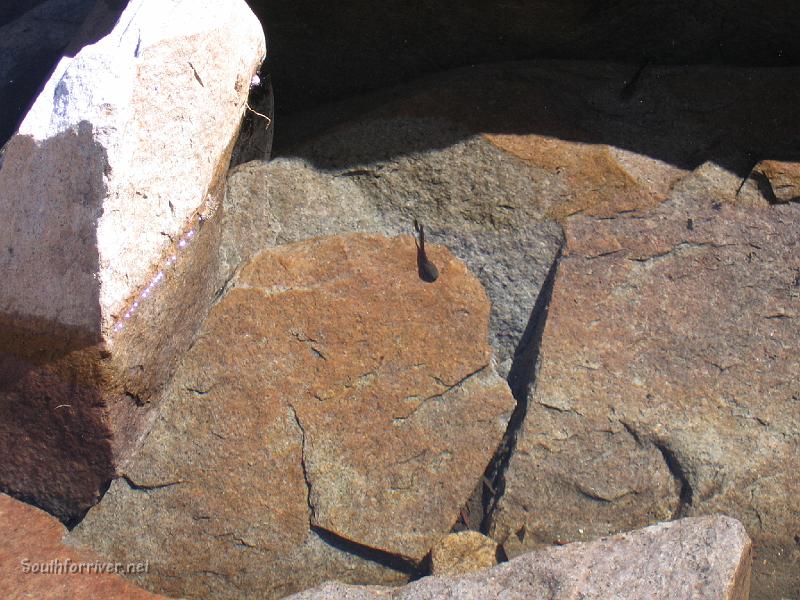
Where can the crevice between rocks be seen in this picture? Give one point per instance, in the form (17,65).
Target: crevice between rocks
(521,379)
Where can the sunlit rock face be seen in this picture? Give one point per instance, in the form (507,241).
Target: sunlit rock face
(109,196)
(332,418)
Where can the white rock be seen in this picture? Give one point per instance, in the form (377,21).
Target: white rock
(117,155)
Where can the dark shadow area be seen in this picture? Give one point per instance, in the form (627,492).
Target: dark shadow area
(12,9)
(683,116)
(322,52)
(392,561)
(35,36)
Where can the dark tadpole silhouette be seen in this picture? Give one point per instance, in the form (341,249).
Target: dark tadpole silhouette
(426,269)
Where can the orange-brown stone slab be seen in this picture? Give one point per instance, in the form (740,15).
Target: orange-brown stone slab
(334,410)
(35,563)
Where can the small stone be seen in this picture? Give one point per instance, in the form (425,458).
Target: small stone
(463,552)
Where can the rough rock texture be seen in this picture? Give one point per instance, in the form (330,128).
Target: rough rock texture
(691,559)
(486,166)
(780,180)
(465,195)
(321,52)
(669,352)
(137,130)
(463,552)
(31,41)
(34,563)
(332,400)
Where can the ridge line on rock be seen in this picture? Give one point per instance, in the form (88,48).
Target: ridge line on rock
(149,488)
(306,477)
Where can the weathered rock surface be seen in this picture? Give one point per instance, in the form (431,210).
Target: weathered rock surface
(486,167)
(463,552)
(106,260)
(34,563)
(669,352)
(469,196)
(691,559)
(335,408)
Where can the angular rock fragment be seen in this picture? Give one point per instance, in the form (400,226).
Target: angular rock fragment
(34,563)
(108,234)
(669,352)
(463,552)
(705,558)
(779,179)
(330,421)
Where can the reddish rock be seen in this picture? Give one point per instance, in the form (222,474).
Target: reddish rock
(669,352)
(487,166)
(35,563)
(333,406)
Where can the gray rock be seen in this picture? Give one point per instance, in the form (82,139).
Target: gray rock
(109,237)
(692,559)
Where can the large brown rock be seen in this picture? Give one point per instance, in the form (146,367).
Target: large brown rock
(669,353)
(35,563)
(693,559)
(335,408)
(109,232)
